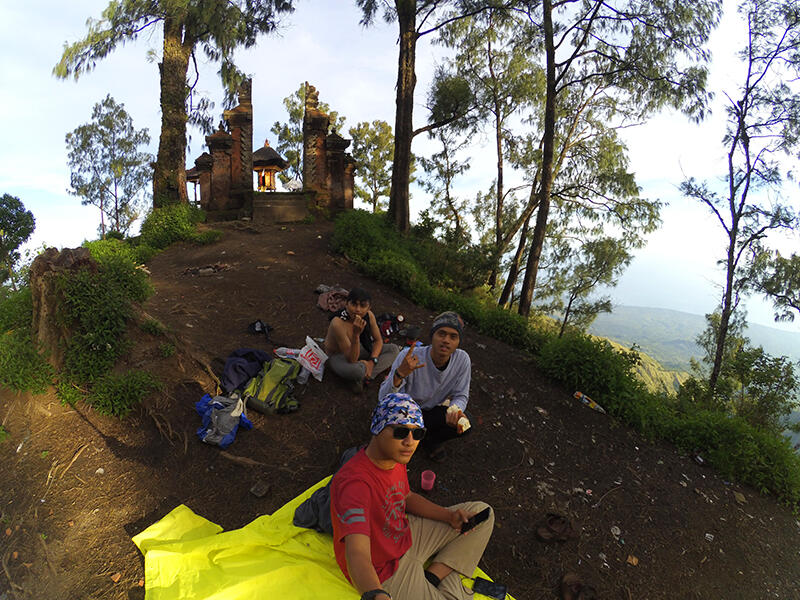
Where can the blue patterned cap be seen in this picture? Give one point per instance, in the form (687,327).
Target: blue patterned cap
(395,409)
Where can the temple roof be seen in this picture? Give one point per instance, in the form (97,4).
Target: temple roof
(267,157)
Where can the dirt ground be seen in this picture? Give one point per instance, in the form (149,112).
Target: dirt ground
(75,486)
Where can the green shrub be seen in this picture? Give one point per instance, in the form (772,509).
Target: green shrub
(209,236)
(359,234)
(22,367)
(592,366)
(68,393)
(741,452)
(16,310)
(95,307)
(152,327)
(117,395)
(143,252)
(174,223)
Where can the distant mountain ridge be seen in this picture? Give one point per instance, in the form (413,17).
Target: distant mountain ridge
(668,335)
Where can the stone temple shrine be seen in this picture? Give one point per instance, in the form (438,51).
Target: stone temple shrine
(224,174)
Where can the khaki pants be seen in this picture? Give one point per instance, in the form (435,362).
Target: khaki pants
(438,542)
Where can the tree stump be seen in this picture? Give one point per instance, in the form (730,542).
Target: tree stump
(47,334)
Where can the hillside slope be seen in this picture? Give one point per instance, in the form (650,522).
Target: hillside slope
(76,486)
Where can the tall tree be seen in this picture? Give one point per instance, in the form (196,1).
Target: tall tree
(592,188)
(577,271)
(442,168)
(217,28)
(763,124)
(415,18)
(290,134)
(505,81)
(752,384)
(108,170)
(779,280)
(373,146)
(634,53)
(16,226)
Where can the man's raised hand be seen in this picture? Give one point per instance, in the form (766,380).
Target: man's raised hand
(409,364)
(358,325)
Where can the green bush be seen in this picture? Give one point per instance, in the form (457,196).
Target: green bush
(68,393)
(174,223)
(359,234)
(592,366)
(740,451)
(22,367)
(95,307)
(117,395)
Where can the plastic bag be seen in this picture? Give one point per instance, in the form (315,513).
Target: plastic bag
(313,358)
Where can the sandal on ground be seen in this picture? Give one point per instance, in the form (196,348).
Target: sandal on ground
(572,588)
(554,528)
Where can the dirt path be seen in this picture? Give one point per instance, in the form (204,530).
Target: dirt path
(74,486)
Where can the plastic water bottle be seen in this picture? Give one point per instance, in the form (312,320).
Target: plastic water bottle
(302,378)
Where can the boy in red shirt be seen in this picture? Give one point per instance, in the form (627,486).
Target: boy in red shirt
(383,533)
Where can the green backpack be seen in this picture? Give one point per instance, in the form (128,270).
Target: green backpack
(271,390)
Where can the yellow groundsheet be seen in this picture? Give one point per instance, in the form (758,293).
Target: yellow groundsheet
(187,557)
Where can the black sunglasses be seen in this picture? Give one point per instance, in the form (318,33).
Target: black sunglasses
(400,433)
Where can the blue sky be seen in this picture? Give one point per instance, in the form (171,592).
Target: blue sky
(354,70)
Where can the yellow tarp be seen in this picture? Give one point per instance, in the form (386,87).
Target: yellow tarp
(187,557)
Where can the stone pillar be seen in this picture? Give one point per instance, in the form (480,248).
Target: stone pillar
(349,181)
(220,143)
(336,145)
(315,164)
(203,165)
(240,123)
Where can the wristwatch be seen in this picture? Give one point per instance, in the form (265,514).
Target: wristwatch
(374,360)
(372,593)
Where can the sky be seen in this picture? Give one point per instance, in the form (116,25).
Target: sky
(354,70)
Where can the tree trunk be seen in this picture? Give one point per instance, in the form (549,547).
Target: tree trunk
(532,266)
(169,177)
(498,136)
(403,124)
(725,316)
(513,272)
(566,316)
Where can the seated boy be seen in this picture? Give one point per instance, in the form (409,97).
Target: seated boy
(384,534)
(353,343)
(435,375)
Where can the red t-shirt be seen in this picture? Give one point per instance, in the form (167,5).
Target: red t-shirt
(372,501)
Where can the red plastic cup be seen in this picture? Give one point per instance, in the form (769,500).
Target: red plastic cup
(428,477)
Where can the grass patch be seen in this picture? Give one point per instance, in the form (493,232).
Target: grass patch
(4,435)
(23,367)
(175,223)
(166,349)
(117,395)
(153,327)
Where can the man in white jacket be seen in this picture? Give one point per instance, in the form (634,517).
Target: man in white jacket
(437,376)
